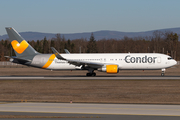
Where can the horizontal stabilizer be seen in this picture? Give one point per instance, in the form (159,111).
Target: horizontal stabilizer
(14,59)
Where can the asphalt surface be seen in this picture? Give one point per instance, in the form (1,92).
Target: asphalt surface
(89,116)
(90,78)
(77,108)
(94,111)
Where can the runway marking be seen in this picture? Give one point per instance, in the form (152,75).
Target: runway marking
(92,113)
(94,108)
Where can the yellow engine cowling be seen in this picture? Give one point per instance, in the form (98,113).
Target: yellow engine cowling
(112,69)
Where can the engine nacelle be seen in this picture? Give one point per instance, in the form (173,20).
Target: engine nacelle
(110,69)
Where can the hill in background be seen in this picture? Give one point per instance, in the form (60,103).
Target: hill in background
(98,34)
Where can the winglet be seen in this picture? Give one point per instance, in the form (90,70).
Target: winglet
(67,51)
(57,54)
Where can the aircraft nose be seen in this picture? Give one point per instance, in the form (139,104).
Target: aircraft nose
(174,62)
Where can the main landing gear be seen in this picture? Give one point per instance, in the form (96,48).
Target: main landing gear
(163,72)
(91,73)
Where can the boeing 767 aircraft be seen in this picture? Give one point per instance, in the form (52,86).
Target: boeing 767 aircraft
(109,63)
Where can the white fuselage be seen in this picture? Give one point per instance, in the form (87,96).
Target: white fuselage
(125,61)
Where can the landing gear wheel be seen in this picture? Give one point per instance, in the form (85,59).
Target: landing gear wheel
(163,72)
(91,74)
(88,74)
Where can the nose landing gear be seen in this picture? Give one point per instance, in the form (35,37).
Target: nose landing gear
(163,72)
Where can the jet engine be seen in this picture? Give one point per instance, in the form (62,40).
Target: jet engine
(109,69)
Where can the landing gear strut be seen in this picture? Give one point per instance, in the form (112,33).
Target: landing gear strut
(91,73)
(163,72)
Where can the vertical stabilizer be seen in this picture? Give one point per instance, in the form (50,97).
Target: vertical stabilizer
(21,47)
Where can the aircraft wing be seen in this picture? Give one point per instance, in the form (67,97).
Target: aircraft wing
(77,62)
(87,63)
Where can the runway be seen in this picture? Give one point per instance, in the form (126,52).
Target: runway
(93,109)
(75,108)
(89,78)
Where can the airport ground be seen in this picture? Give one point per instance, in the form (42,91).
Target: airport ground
(89,91)
(96,91)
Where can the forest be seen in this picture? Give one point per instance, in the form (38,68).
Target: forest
(159,42)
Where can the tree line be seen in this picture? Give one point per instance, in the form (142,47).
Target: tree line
(159,42)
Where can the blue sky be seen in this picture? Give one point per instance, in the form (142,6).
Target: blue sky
(74,16)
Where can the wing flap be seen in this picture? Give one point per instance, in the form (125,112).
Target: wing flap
(85,63)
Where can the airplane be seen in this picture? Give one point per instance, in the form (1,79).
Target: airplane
(104,62)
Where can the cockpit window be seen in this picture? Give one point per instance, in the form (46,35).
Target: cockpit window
(170,58)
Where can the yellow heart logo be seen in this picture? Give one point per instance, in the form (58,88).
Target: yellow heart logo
(19,47)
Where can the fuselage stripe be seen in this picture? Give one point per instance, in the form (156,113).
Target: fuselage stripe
(50,60)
